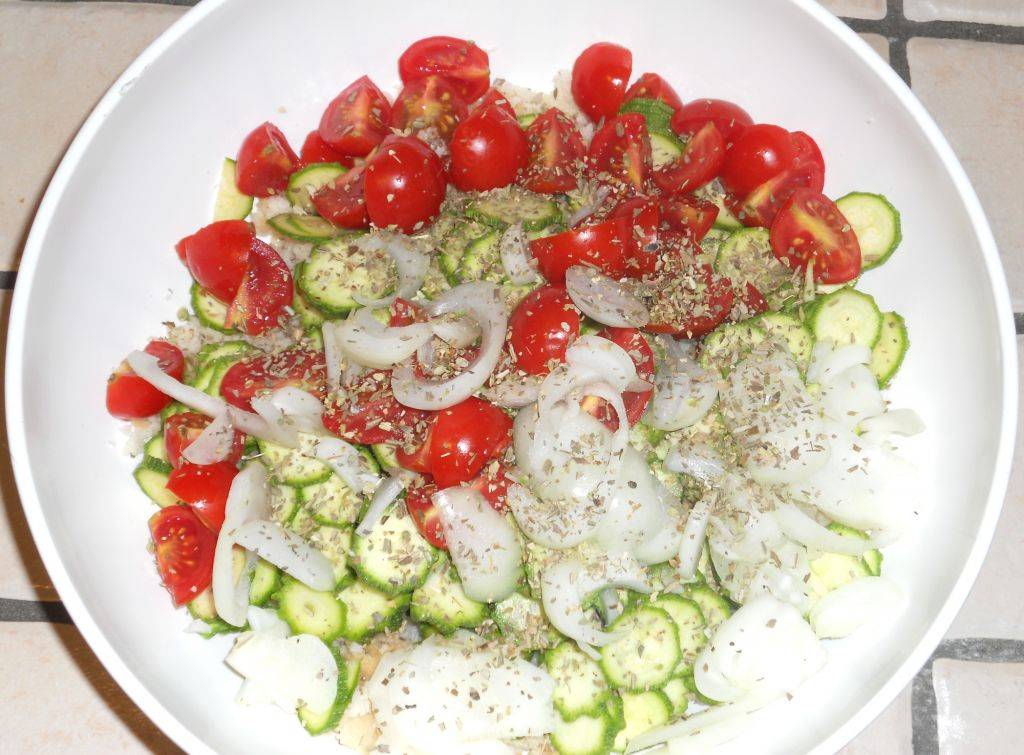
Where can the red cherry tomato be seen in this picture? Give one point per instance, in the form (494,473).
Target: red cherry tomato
(640,218)
(634,344)
(265,161)
(602,245)
(556,152)
(687,214)
(465,437)
(249,377)
(810,229)
(730,119)
(493,484)
(205,489)
(459,61)
(316,150)
(760,153)
(265,292)
(542,327)
(417,456)
(131,397)
(369,413)
(405,184)
(692,301)
(357,120)
(217,256)
(180,430)
(651,86)
(808,151)
(488,150)
(430,102)
(599,78)
(702,160)
(405,312)
(761,205)
(753,301)
(418,501)
(184,550)
(342,202)
(496,98)
(620,153)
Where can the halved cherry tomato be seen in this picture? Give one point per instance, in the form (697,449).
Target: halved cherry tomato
(249,377)
(634,344)
(687,214)
(180,430)
(356,120)
(217,256)
(542,327)
(692,301)
(760,153)
(730,119)
(488,150)
(556,151)
(496,98)
(405,312)
(652,87)
(620,153)
(599,78)
(417,455)
(702,159)
(184,552)
(430,102)
(265,292)
(464,438)
(418,501)
(265,161)
(205,489)
(493,483)
(131,397)
(368,412)
(753,300)
(761,205)
(810,229)
(316,150)
(807,150)
(458,60)
(602,245)
(342,202)
(405,184)
(641,219)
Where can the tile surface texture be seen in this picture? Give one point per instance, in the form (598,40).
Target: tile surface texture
(1009,12)
(978,707)
(856,8)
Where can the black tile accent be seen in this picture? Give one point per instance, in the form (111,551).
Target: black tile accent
(52,612)
(7,279)
(1018,322)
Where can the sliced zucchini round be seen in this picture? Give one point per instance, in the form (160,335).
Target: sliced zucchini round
(394,557)
(646,652)
(303,183)
(310,611)
(847,316)
(309,228)
(887,355)
(230,203)
(337,271)
(211,311)
(580,686)
(875,222)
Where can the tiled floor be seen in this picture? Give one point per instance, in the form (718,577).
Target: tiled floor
(52,682)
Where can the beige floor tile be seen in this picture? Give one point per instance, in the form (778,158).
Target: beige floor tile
(59,699)
(856,8)
(878,43)
(973,90)
(889,734)
(978,706)
(1009,12)
(56,60)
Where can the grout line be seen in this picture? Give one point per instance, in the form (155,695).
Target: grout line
(1018,322)
(7,279)
(52,612)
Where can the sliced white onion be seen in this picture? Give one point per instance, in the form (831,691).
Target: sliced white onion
(683,393)
(383,496)
(844,610)
(604,360)
(293,671)
(268,621)
(665,542)
(515,392)
(637,506)
(248,500)
(692,542)
(515,256)
(348,463)
(553,524)
(333,357)
(700,461)
(603,299)
(365,340)
(852,396)
(895,422)
(458,332)
(147,367)
(484,547)
(287,551)
(483,302)
(411,262)
(702,732)
(589,209)
(798,526)
(828,360)
(213,444)
(289,411)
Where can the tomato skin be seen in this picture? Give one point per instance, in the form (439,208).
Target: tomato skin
(343,201)
(729,118)
(430,102)
(493,484)
(760,153)
(489,149)
(634,344)
(702,160)
(249,377)
(418,501)
(465,437)
(464,64)
(640,220)
(542,327)
(131,397)
(602,245)
(184,552)
(599,78)
(405,312)
(651,86)
(265,161)
(715,296)
(205,489)
(761,205)
(753,300)
(180,430)
(356,120)
(809,227)
(620,153)
(358,415)
(556,150)
(807,150)
(687,214)
(217,256)
(405,184)
(316,150)
(418,458)
(497,99)
(265,292)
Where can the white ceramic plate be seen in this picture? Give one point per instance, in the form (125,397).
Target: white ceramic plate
(99,275)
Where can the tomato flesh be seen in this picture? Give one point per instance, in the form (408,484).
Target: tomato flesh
(369,413)
(464,64)
(464,438)
(265,161)
(217,256)
(729,118)
(620,154)
(405,184)
(356,120)
(265,292)
(342,202)
(702,160)
(652,87)
(640,219)
(692,301)
(250,377)
(489,149)
(602,245)
(131,397)
(430,102)
(184,549)
(599,78)
(542,327)
(205,489)
(556,151)
(810,229)
(761,205)
(687,214)
(181,430)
